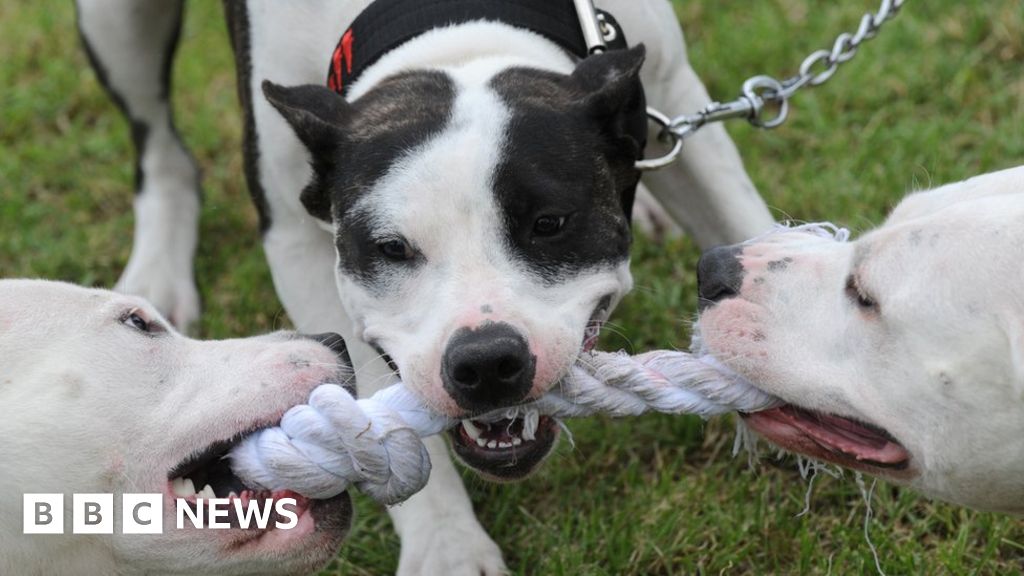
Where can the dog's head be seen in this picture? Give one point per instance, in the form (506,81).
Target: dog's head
(104,397)
(481,220)
(901,354)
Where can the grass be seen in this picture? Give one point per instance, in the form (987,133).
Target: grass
(939,96)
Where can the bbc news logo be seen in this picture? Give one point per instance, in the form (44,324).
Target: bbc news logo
(143,513)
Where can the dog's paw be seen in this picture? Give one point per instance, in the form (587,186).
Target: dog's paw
(173,292)
(451,549)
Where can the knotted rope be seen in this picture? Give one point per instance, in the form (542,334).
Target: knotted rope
(334,442)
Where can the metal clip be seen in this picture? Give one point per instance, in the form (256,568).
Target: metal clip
(591,26)
(666,133)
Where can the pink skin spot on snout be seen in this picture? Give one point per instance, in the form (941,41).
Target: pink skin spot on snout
(475,315)
(438,399)
(731,331)
(422,374)
(298,371)
(552,362)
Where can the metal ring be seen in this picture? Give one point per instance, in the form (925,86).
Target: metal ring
(819,57)
(609,32)
(677,143)
(752,90)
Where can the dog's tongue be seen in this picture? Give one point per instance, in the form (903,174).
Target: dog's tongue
(843,435)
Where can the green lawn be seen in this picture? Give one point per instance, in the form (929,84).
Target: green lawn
(939,96)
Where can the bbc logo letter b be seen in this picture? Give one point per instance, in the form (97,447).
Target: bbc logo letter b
(43,513)
(92,514)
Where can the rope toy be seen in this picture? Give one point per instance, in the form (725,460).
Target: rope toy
(334,441)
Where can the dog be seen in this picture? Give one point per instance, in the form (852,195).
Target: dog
(901,354)
(461,216)
(101,395)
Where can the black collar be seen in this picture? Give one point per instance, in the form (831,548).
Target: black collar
(387,24)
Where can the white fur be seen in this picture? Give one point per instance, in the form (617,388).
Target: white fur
(707,191)
(96,406)
(939,365)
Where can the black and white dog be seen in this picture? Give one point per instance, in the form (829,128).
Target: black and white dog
(461,215)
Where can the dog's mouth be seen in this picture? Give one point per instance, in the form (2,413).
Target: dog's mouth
(506,449)
(842,440)
(592,332)
(512,448)
(207,475)
(837,439)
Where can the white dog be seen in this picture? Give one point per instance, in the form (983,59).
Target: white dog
(460,213)
(100,395)
(900,354)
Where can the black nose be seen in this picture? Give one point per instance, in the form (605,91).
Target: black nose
(487,368)
(333,341)
(719,275)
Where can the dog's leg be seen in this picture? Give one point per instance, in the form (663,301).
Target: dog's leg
(440,533)
(131,46)
(707,190)
(439,530)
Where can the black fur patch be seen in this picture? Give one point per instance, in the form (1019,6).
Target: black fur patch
(568,155)
(354,144)
(236,12)
(564,157)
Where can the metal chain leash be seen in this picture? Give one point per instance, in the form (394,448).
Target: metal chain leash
(760,91)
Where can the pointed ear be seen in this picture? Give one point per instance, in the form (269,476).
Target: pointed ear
(317,114)
(614,97)
(611,81)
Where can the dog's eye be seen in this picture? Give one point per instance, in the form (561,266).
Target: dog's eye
(137,319)
(858,295)
(548,225)
(396,249)
(134,319)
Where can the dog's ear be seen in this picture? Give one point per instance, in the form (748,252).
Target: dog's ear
(611,81)
(317,114)
(614,97)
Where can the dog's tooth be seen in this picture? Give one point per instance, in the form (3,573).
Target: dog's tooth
(504,444)
(471,429)
(481,442)
(531,420)
(177,486)
(232,494)
(492,444)
(516,441)
(187,488)
(207,492)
